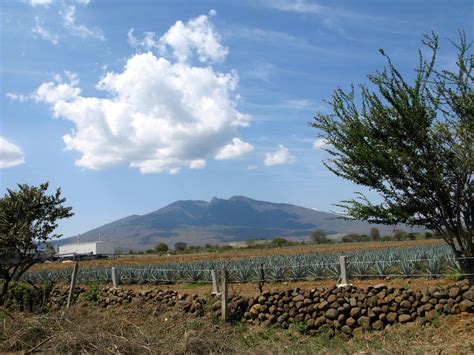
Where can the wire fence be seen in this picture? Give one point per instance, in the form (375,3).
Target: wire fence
(259,270)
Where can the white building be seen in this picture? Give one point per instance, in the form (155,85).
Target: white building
(91,248)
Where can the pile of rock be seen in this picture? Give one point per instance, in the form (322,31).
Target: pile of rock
(110,297)
(349,309)
(59,295)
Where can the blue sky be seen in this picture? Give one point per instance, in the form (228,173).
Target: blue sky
(129,106)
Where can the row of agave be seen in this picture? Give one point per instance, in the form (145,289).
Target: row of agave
(433,261)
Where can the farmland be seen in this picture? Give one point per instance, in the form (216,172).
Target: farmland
(160,287)
(239,254)
(427,261)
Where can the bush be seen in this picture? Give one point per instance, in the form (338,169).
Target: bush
(375,234)
(319,237)
(92,294)
(399,234)
(161,248)
(180,246)
(279,242)
(349,238)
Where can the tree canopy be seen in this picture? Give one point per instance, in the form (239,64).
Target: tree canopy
(412,142)
(28,218)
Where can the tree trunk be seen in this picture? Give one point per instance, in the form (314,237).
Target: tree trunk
(4,291)
(467,267)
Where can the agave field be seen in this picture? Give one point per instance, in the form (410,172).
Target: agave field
(414,262)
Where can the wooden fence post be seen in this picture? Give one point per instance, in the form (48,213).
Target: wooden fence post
(215,283)
(224,294)
(343,279)
(73,284)
(261,278)
(115,277)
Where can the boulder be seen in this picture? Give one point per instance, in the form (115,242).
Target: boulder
(377,325)
(331,313)
(403,318)
(364,322)
(466,306)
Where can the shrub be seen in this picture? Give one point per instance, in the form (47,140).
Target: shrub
(319,237)
(375,234)
(279,242)
(180,246)
(161,248)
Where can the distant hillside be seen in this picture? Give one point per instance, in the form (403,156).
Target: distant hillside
(218,221)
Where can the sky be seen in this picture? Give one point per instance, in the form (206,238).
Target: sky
(131,105)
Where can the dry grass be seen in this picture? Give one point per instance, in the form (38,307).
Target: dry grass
(137,330)
(242,254)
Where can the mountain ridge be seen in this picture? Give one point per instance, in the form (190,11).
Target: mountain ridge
(219,220)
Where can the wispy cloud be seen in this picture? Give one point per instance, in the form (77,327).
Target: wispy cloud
(66,22)
(12,96)
(339,18)
(41,32)
(40,2)
(279,39)
(301,6)
(68,13)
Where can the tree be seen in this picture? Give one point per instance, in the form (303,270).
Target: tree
(412,142)
(375,234)
(399,234)
(180,246)
(319,237)
(280,242)
(28,218)
(161,248)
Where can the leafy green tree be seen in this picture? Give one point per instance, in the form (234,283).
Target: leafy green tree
(375,234)
(161,248)
(28,218)
(412,142)
(180,246)
(399,234)
(319,237)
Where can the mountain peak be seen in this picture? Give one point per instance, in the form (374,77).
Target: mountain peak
(222,220)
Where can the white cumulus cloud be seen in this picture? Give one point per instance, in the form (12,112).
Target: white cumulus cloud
(234,150)
(320,143)
(198,35)
(10,154)
(158,115)
(280,156)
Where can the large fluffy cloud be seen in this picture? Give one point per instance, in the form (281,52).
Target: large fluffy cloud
(182,40)
(10,154)
(158,114)
(280,156)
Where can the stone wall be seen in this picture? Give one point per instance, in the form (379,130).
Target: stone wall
(351,309)
(344,310)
